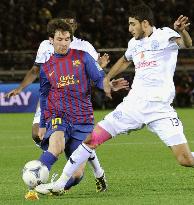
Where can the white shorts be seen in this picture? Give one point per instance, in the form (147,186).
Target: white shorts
(135,113)
(37,115)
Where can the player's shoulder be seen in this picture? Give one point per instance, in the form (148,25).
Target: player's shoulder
(84,46)
(165,30)
(78,43)
(166,33)
(45,44)
(45,47)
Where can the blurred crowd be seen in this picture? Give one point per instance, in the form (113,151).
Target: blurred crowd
(104,23)
(101,22)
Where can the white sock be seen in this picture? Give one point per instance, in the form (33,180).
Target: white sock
(95,164)
(192,154)
(80,155)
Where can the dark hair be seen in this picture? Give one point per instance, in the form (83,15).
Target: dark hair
(67,14)
(58,24)
(142,12)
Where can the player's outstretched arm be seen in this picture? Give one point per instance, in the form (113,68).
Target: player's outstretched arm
(103,60)
(119,84)
(28,79)
(181,25)
(117,68)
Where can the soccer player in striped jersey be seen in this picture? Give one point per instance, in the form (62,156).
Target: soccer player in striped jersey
(65,98)
(44,52)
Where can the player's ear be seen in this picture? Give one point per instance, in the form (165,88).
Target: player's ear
(51,40)
(145,23)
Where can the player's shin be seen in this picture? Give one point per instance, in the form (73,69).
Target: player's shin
(98,136)
(95,164)
(79,156)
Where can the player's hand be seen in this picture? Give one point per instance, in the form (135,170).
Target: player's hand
(41,132)
(119,84)
(103,60)
(13,92)
(181,23)
(107,87)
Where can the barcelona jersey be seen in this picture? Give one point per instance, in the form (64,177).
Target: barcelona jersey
(65,87)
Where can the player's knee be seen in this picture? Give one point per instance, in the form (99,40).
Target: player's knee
(97,137)
(59,149)
(56,148)
(87,141)
(57,143)
(35,136)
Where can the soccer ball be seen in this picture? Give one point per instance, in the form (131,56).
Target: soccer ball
(35,173)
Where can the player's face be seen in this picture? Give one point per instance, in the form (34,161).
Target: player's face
(136,28)
(61,42)
(72,22)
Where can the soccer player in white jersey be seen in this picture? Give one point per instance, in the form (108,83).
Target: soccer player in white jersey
(154,53)
(44,52)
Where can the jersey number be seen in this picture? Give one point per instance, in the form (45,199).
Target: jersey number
(174,121)
(55,122)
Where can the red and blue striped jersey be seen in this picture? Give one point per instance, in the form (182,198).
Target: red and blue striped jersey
(65,87)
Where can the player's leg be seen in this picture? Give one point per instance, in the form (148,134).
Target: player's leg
(170,131)
(98,171)
(55,148)
(100,179)
(35,125)
(76,178)
(71,146)
(35,137)
(78,157)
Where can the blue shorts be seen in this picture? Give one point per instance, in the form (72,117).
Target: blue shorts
(74,134)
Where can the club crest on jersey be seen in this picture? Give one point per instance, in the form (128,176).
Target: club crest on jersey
(76,63)
(154,44)
(117,115)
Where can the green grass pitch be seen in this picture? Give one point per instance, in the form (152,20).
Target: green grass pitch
(140,169)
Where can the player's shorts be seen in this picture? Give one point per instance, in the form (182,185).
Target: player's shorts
(134,113)
(37,115)
(74,133)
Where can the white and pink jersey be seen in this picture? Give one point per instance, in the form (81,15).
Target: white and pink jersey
(46,49)
(155,60)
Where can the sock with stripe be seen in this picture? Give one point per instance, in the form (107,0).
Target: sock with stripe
(79,156)
(48,159)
